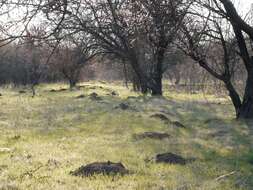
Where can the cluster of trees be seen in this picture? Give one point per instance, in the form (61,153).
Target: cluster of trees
(142,35)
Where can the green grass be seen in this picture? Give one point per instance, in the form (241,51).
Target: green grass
(42,139)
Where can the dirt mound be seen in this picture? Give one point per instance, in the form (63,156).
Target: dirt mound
(105,168)
(152,135)
(59,90)
(123,106)
(80,96)
(170,158)
(62,90)
(114,93)
(178,124)
(161,117)
(22,92)
(94,96)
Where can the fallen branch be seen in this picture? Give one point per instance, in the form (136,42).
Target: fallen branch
(225,176)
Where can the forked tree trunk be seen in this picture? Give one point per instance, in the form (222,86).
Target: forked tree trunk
(140,76)
(240,26)
(246,110)
(234,97)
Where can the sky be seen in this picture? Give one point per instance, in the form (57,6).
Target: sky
(243,6)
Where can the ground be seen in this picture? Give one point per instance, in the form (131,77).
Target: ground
(43,139)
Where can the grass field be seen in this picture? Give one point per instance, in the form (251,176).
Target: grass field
(43,138)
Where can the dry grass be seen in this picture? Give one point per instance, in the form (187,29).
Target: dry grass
(42,139)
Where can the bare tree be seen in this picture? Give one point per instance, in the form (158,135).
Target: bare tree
(240,27)
(214,38)
(137,32)
(72,55)
(34,54)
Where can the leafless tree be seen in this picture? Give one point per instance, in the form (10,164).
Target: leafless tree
(214,38)
(72,55)
(34,52)
(137,32)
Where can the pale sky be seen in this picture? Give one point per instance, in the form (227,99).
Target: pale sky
(243,5)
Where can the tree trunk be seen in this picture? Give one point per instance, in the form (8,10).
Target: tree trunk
(246,110)
(125,74)
(140,75)
(136,83)
(177,76)
(158,75)
(144,86)
(72,83)
(234,97)
(157,86)
(33,91)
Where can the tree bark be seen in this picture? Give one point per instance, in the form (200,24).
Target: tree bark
(240,26)
(33,90)
(157,86)
(158,75)
(234,97)
(136,83)
(72,83)
(246,110)
(140,76)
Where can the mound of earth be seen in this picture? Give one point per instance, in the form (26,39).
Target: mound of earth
(161,117)
(59,90)
(62,90)
(152,135)
(170,158)
(114,93)
(178,124)
(22,92)
(105,168)
(94,96)
(122,106)
(80,96)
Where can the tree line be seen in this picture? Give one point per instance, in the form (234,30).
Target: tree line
(141,35)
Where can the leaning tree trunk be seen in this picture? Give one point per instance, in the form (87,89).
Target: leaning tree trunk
(246,110)
(240,26)
(234,96)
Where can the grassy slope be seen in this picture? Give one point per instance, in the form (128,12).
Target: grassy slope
(54,133)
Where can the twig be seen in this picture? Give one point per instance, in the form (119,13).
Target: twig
(224,176)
